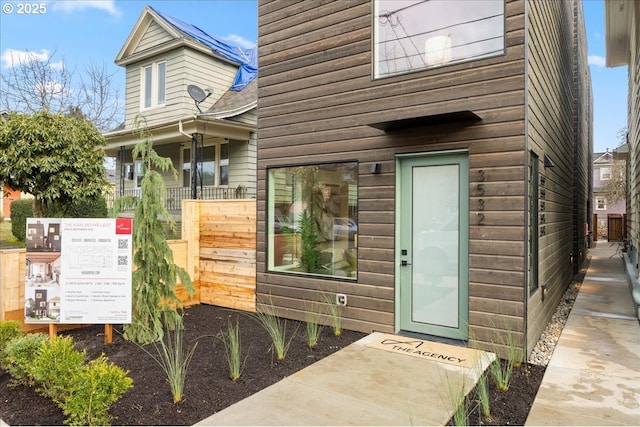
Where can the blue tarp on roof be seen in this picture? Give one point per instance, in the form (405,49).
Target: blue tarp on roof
(246,58)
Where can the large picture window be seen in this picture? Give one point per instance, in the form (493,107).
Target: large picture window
(312,220)
(412,35)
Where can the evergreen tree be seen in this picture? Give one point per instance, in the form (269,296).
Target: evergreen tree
(154,278)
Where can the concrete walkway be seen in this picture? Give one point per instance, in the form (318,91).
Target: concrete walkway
(593,377)
(361,385)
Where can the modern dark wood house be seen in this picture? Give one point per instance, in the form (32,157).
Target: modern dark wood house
(428,162)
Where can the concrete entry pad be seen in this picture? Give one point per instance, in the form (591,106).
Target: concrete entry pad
(359,385)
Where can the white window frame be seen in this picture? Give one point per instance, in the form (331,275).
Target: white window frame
(605,174)
(218,163)
(138,173)
(157,86)
(600,199)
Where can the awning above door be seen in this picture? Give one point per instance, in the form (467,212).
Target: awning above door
(429,120)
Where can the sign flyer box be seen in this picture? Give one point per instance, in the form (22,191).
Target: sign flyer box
(78,270)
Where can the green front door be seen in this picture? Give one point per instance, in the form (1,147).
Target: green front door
(433,252)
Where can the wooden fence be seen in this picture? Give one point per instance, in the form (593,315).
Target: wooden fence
(221,236)
(218,250)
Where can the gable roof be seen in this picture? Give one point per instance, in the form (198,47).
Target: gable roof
(179,33)
(605,157)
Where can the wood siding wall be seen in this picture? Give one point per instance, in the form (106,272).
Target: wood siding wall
(583,140)
(242,164)
(559,127)
(316,97)
(154,36)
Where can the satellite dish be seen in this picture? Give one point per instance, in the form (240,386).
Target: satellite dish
(196,93)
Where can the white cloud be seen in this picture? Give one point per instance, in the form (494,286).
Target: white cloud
(240,41)
(70,6)
(596,60)
(53,88)
(12,58)
(57,65)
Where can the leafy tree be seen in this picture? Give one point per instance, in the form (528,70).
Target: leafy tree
(154,277)
(57,159)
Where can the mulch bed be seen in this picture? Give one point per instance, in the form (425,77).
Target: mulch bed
(208,388)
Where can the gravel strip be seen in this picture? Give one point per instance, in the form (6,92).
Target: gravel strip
(543,350)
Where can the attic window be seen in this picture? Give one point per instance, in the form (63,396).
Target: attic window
(153,85)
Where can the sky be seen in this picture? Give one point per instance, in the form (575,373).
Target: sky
(79,32)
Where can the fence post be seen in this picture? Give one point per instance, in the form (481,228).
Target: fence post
(191,233)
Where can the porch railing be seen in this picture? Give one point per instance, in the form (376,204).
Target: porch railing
(175,195)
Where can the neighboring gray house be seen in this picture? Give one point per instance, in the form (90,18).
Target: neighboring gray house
(197,95)
(609,210)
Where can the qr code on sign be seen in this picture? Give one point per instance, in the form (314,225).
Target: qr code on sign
(123,244)
(123,260)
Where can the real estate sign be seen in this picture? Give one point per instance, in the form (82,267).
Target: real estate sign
(78,270)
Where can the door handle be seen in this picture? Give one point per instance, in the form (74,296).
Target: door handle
(404,263)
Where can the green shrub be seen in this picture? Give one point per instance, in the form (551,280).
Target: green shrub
(84,392)
(88,208)
(9,329)
(20,211)
(95,388)
(55,367)
(19,354)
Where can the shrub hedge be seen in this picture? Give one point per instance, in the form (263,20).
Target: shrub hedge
(20,211)
(84,391)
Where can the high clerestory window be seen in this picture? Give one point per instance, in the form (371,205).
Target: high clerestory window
(411,35)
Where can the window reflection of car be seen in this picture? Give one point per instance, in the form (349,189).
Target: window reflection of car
(344,228)
(438,249)
(283,224)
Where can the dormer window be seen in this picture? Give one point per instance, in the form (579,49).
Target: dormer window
(153,85)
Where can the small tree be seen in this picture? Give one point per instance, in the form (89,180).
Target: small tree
(56,158)
(615,190)
(154,278)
